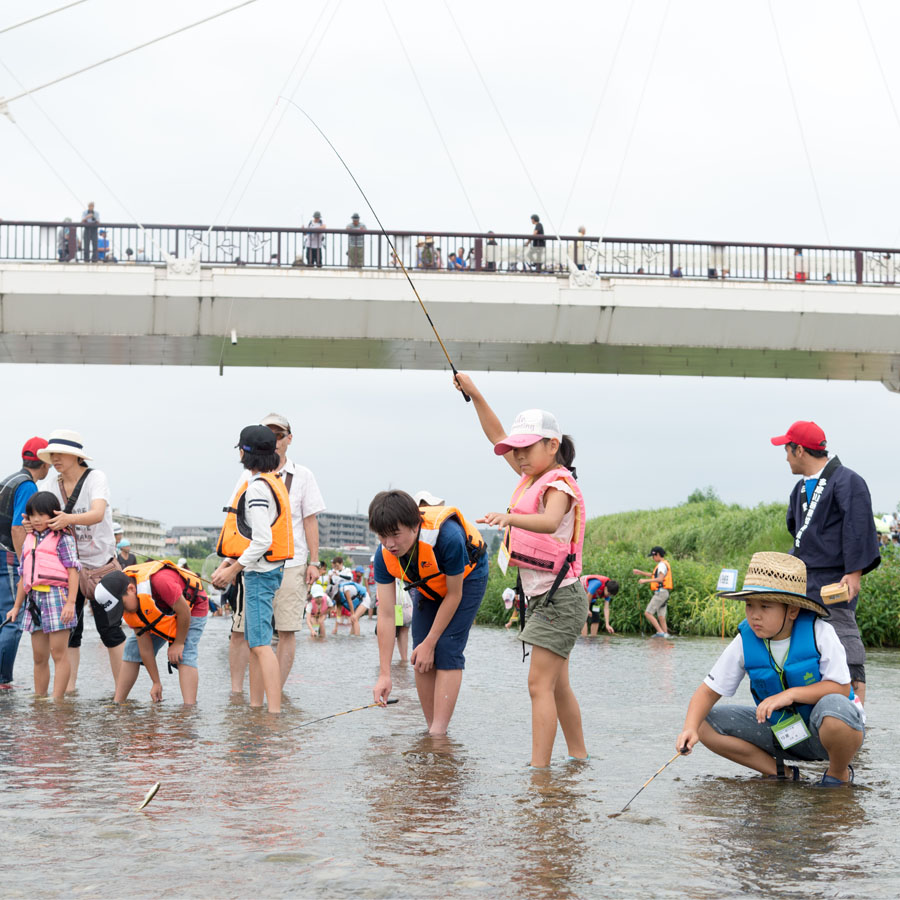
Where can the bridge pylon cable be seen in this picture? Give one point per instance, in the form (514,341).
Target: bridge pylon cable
(387,237)
(51,12)
(434,120)
(800,129)
(115,56)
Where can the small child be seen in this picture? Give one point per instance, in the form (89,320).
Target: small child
(544,537)
(48,586)
(317,610)
(799,678)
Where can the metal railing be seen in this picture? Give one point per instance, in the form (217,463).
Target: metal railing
(331,248)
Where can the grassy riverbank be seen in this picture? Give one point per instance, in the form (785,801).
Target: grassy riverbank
(700,539)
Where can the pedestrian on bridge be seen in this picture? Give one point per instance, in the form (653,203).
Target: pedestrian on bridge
(90,218)
(356,243)
(314,239)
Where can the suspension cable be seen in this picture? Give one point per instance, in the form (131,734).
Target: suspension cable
(52,12)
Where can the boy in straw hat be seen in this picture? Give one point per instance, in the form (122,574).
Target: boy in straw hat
(799,678)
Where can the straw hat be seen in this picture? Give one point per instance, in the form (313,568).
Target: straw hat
(63,440)
(778,577)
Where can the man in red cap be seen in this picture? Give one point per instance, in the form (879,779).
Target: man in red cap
(830,518)
(15,491)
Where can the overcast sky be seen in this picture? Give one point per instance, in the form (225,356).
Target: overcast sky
(698,140)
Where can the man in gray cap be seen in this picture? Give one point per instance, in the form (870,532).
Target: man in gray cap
(314,239)
(356,245)
(299,573)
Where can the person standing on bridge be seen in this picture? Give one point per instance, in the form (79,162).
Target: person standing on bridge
(15,492)
(538,244)
(356,249)
(830,517)
(314,239)
(90,219)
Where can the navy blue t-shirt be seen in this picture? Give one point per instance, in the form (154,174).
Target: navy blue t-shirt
(449,550)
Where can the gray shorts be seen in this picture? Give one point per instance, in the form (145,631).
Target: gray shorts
(740,722)
(557,625)
(658,603)
(843,620)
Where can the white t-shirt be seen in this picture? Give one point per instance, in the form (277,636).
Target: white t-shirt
(306,500)
(534,582)
(96,543)
(727,673)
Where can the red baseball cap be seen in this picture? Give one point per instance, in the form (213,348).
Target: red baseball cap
(806,434)
(32,445)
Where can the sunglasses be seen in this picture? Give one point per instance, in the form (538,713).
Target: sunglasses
(279,434)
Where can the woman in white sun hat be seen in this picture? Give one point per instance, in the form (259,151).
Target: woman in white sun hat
(85,510)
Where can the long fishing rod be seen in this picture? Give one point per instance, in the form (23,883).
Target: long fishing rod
(397,256)
(346,712)
(679,753)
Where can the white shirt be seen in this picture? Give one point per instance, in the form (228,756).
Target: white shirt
(306,500)
(96,543)
(260,512)
(727,673)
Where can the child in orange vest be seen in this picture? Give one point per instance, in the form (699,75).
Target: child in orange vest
(48,585)
(545,533)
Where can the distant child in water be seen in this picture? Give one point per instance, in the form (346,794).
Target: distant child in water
(805,707)
(544,537)
(48,586)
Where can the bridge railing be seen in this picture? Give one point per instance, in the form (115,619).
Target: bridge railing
(336,248)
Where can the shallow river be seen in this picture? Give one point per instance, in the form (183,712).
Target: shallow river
(366,806)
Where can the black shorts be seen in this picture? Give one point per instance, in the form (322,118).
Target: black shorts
(593,617)
(857,673)
(110,635)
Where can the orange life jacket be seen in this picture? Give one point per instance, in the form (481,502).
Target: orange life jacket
(235,535)
(149,618)
(667,582)
(422,572)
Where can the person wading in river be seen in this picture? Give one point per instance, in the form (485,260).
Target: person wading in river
(830,518)
(442,560)
(805,707)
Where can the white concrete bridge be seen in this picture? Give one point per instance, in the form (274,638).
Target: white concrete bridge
(339,318)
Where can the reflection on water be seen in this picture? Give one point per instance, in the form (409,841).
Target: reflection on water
(369,805)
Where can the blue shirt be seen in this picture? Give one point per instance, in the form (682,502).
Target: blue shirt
(449,550)
(594,585)
(24,491)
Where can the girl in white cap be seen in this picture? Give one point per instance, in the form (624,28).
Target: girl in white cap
(543,538)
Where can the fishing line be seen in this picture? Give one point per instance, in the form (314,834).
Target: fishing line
(434,121)
(500,118)
(661,769)
(787,78)
(103,62)
(283,110)
(634,121)
(590,134)
(387,238)
(52,12)
(390,702)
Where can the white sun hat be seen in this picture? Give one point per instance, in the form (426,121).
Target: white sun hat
(63,440)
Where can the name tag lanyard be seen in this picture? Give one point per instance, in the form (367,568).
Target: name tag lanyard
(789,729)
(809,506)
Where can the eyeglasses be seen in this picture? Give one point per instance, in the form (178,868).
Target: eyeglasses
(279,434)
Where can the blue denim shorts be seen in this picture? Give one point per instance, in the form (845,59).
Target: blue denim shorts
(259,592)
(449,650)
(740,722)
(132,653)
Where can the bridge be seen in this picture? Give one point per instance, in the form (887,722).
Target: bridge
(247,297)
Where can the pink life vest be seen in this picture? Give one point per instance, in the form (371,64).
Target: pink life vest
(41,563)
(543,552)
(601,578)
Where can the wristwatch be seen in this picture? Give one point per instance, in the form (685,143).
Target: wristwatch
(318,564)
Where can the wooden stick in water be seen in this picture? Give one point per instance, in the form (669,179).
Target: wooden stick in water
(614,815)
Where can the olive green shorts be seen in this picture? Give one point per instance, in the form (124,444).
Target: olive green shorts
(556,626)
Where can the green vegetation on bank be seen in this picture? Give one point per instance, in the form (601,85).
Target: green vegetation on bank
(701,537)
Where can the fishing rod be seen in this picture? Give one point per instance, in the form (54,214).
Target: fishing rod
(682,752)
(347,711)
(397,256)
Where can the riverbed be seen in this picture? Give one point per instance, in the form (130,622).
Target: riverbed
(366,805)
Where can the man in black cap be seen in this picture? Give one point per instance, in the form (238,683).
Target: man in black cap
(830,517)
(660,581)
(356,242)
(15,490)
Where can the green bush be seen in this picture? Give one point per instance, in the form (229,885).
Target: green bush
(700,538)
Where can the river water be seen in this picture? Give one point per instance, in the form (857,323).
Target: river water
(365,805)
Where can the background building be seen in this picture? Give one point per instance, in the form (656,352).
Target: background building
(343,529)
(147,536)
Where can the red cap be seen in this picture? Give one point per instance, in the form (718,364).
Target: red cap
(29,451)
(806,434)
